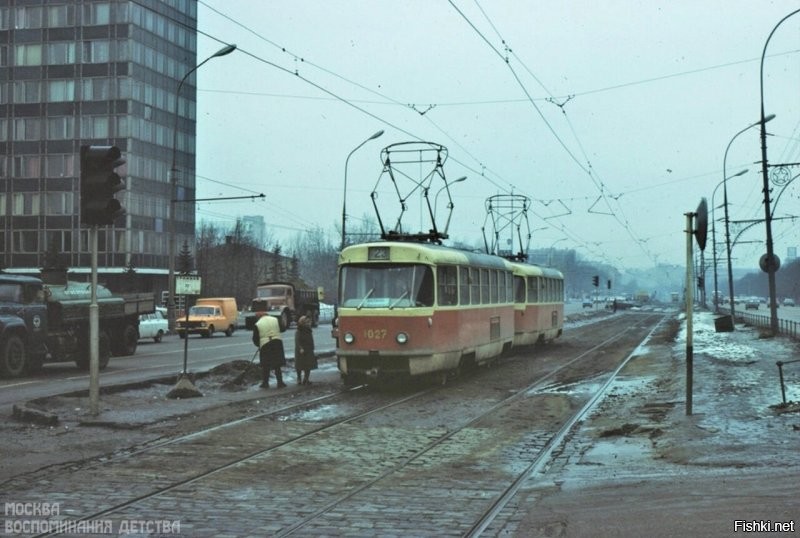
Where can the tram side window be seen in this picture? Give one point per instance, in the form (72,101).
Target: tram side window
(475,285)
(519,289)
(447,276)
(464,284)
(492,286)
(484,286)
(533,289)
(509,287)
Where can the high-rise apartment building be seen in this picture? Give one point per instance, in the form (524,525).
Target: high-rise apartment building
(99,73)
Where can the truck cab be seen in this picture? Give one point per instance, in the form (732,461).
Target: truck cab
(23,324)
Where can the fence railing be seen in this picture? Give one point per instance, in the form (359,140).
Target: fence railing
(786,327)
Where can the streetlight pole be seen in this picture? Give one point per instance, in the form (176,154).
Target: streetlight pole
(771,262)
(550,255)
(174,189)
(344,196)
(725,203)
(714,235)
(436,198)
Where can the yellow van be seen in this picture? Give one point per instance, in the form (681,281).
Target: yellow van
(208,316)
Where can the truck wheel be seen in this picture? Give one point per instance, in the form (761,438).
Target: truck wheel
(103,349)
(126,343)
(285,320)
(13,356)
(229,331)
(103,352)
(157,338)
(209,333)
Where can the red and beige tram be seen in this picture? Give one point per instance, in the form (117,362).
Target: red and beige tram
(411,309)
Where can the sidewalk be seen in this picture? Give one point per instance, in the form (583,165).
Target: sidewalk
(639,466)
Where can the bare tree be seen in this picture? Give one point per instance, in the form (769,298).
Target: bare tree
(319,254)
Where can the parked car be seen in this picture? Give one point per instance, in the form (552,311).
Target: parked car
(153,325)
(752,304)
(788,301)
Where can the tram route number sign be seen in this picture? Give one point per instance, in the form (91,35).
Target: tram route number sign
(187,285)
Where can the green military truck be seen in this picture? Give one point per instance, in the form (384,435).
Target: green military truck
(50,323)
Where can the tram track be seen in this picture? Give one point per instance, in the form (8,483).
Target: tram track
(352,429)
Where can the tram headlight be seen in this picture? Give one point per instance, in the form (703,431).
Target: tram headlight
(349,338)
(401,338)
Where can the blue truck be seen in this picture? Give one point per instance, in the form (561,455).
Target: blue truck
(50,323)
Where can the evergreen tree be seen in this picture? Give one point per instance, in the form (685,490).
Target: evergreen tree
(53,261)
(277,266)
(185,260)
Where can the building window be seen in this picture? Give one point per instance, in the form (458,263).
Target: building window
(28,17)
(25,203)
(60,16)
(61,240)
(94,127)
(27,166)
(3,199)
(95,52)
(60,53)
(96,13)
(27,91)
(58,203)
(25,241)
(96,89)
(28,54)
(27,129)
(61,128)
(60,165)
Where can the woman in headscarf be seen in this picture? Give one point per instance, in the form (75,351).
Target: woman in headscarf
(304,358)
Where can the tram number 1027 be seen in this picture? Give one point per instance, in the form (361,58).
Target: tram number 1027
(375,334)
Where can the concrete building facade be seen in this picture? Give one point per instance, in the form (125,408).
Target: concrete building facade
(96,73)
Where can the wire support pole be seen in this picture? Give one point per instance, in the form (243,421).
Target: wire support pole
(771,262)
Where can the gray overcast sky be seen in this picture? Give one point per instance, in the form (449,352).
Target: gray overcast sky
(612,116)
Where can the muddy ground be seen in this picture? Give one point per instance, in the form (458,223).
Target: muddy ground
(640,466)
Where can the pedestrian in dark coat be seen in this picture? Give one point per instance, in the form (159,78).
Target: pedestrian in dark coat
(270,345)
(304,358)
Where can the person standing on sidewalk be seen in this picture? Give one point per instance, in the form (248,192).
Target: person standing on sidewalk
(270,345)
(304,358)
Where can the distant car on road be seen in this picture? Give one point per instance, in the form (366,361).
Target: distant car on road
(153,325)
(788,302)
(751,304)
(587,303)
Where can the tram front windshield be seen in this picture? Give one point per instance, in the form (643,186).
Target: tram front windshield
(386,286)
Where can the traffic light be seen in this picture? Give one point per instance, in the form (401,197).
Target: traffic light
(596,280)
(99,182)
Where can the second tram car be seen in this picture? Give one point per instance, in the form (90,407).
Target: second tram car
(412,309)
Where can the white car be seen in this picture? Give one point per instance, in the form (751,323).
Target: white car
(153,325)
